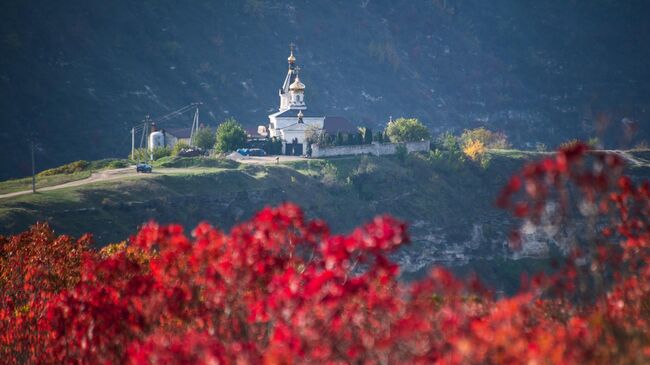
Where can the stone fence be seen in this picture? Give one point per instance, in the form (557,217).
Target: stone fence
(375,148)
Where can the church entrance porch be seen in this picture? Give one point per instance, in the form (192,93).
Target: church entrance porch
(293,149)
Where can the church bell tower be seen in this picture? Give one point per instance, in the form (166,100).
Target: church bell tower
(292,74)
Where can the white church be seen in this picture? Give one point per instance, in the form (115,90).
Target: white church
(292,120)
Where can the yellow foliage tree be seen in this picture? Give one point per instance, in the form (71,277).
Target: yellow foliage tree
(474,149)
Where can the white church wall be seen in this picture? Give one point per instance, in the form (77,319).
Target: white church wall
(377,149)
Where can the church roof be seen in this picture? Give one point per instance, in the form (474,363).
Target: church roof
(293,113)
(297,85)
(333,125)
(179,132)
(297,127)
(290,79)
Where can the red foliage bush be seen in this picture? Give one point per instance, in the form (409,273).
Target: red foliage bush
(280,290)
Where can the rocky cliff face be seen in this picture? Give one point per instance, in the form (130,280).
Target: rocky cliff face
(76,75)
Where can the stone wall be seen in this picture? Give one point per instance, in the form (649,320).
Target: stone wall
(375,148)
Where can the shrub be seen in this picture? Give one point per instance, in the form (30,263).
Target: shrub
(35,266)
(273,146)
(569,144)
(144,154)
(594,142)
(489,139)
(139,154)
(117,164)
(447,152)
(401,152)
(178,147)
(329,175)
(449,142)
(160,152)
(71,168)
(407,130)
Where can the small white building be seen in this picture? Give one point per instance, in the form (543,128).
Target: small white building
(168,137)
(293,119)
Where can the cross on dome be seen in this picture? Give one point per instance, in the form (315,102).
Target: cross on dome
(292,58)
(297,85)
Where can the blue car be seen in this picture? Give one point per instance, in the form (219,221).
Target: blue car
(251,152)
(143,167)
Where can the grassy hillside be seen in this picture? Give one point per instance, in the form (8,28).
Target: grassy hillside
(345,191)
(447,203)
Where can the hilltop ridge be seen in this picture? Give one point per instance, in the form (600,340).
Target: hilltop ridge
(79,74)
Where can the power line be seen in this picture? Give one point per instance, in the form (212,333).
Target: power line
(144,127)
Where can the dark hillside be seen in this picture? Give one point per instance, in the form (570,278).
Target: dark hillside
(78,74)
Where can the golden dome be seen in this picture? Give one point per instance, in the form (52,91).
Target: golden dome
(297,85)
(291,58)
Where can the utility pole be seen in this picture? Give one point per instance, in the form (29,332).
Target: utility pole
(195,126)
(133,143)
(33,170)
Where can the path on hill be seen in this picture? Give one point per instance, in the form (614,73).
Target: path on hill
(104,175)
(108,175)
(114,174)
(629,158)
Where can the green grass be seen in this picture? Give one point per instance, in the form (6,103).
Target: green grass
(194,162)
(345,191)
(15,185)
(519,154)
(44,180)
(446,195)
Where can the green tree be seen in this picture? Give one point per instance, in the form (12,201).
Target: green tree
(273,146)
(359,138)
(367,135)
(313,134)
(406,130)
(448,142)
(205,138)
(401,152)
(339,139)
(351,139)
(379,137)
(160,152)
(230,136)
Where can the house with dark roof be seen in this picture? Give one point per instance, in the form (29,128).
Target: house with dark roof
(334,125)
(179,135)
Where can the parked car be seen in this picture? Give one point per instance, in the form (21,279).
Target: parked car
(251,152)
(256,152)
(143,167)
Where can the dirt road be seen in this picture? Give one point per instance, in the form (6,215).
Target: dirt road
(113,174)
(104,175)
